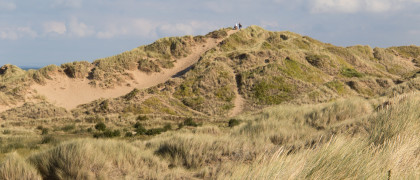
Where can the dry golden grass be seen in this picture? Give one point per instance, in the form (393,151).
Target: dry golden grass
(97,159)
(350,138)
(15,167)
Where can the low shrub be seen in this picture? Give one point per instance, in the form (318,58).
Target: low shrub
(68,127)
(233,122)
(154,131)
(142,118)
(167,127)
(128,134)
(140,130)
(132,94)
(190,122)
(48,139)
(100,126)
(107,134)
(44,131)
(284,37)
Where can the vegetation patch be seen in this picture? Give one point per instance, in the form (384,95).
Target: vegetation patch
(272,92)
(233,122)
(76,69)
(407,51)
(348,72)
(337,86)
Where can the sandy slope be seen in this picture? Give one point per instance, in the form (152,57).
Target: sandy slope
(69,93)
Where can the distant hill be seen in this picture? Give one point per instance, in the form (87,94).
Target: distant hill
(211,74)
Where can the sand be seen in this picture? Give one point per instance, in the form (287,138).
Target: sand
(69,93)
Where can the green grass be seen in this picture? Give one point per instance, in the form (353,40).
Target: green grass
(348,72)
(272,92)
(337,86)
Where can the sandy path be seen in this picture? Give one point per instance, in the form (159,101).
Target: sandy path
(69,93)
(238,103)
(239,100)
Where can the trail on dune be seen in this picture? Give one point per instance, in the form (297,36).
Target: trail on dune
(238,104)
(239,100)
(69,93)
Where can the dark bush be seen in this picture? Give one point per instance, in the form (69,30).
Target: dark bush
(100,126)
(190,122)
(142,118)
(104,105)
(167,127)
(154,131)
(138,125)
(233,122)
(108,134)
(180,125)
(128,134)
(140,130)
(131,94)
(48,139)
(116,133)
(44,131)
(68,127)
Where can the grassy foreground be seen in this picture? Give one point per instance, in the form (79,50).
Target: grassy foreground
(346,139)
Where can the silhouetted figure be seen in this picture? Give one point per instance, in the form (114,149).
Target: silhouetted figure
(240,26)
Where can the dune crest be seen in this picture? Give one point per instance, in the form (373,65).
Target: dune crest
(70,92)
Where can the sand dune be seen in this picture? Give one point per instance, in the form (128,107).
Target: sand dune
(69,93)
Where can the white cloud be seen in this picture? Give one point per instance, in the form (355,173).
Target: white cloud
(178,28)
(137,27)
(55,27)
(150,29)
(4,5)
(67,3)
(378,6)
(343,6)
(185,28)
(17,33)
(219,6)
(356,6)
(415,32)
(269,24)
(143,27)
(79,29)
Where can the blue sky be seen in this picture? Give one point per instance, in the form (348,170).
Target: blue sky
(38,33)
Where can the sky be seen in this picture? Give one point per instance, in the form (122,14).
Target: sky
(36,33)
